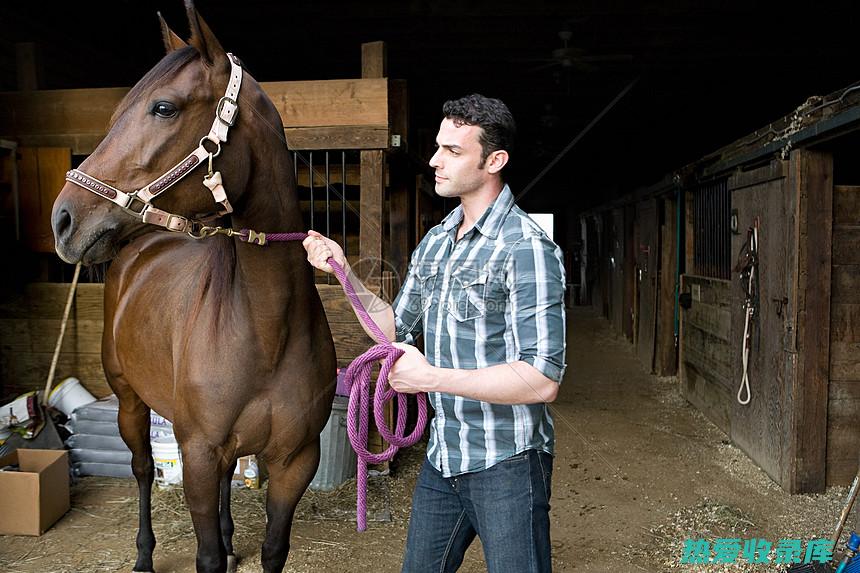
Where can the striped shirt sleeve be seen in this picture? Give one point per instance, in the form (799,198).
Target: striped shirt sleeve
(407,305)
(534,278)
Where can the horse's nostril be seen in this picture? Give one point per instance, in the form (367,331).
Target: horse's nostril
(62,222)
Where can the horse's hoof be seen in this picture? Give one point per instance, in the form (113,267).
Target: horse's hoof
(232,563)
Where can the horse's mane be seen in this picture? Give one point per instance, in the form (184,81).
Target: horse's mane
(169,64)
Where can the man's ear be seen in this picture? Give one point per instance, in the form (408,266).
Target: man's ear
(496,161)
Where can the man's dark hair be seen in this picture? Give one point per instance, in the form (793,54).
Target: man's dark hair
(491,115)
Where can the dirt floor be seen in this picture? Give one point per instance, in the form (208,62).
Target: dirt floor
(637,471)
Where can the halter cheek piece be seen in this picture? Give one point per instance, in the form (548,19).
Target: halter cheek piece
(139,203)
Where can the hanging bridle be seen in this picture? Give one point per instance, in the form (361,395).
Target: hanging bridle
(139,203)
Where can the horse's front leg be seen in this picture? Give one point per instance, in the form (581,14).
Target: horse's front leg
(227,518)
(133,419)
(287,483)
(202,471)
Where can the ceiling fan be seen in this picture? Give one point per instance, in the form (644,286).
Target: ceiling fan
(570,57)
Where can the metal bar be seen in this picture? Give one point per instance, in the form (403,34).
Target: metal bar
(311,183)
(698,244)
(575,140)
(725,236)
(343,198)
(327,197)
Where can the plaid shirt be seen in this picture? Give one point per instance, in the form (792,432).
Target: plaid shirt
(496,296)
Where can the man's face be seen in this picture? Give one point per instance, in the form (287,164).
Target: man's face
(457,161)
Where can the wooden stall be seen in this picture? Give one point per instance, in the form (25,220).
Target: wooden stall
(630,271)
(795,183)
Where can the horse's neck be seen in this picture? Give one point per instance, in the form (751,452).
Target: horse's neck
(272,207)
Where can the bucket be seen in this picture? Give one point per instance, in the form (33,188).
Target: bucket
(168,462)
(69,395)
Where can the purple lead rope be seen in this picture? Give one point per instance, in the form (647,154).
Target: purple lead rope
(357,381)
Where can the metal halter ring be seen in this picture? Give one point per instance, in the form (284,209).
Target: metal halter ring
(217,148)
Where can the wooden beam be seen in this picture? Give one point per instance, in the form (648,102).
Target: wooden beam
(338,137)
(808,433)
(55,112)
(374,60)
(325,114)
(326,103)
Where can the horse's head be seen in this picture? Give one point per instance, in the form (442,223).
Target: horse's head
(156,126)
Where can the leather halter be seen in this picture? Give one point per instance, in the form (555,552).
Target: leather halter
(139,203)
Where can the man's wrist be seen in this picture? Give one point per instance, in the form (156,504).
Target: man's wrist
(434,378)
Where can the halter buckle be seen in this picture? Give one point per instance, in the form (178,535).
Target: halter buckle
(131,207)
(221,103)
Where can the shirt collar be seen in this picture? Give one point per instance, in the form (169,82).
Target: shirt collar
(490,223)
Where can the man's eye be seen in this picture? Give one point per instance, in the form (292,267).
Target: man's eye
(164,109)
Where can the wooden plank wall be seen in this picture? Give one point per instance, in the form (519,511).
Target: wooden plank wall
(41,175)
(705,363)
(30,323)
(843,408)
(322,114)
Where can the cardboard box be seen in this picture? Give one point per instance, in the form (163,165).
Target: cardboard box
(34,498)
(242,464)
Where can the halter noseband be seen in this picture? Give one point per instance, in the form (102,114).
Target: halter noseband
(139,203)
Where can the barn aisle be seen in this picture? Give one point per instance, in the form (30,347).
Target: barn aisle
(638,469)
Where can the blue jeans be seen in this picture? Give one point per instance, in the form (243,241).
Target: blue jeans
(506,506)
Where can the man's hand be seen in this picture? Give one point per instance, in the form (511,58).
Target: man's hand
(411,373)
(319,250)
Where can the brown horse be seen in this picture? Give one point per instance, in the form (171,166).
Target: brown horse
(225,338)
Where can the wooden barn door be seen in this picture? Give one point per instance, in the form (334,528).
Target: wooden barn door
(760,428)
(616,270)
(647,221)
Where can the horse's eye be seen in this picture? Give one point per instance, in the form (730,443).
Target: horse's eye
(164,109)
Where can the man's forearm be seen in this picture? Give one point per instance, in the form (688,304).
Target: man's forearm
(514,383)
(379,310)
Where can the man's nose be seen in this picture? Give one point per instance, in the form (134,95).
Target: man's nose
(434,161)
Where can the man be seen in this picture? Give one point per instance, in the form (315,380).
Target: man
(485,288)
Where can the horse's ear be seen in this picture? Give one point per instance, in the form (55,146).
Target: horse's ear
(202,37)
(171,40)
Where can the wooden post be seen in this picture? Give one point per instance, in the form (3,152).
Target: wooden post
(813,174)
(665,364)
(399,194)
(372,182)
(28,66)
(374,60)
